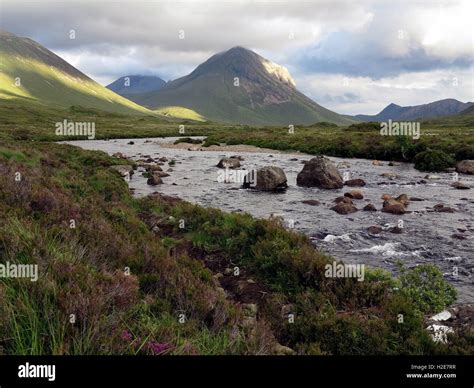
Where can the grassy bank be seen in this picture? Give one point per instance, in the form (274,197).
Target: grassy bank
(453,137)
(36,122)
(151,276)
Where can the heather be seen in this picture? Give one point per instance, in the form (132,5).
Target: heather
(120,275)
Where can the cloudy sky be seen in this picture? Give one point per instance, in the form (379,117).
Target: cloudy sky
(351,57)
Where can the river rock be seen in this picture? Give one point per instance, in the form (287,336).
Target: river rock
(312,202)
(460,186)
(343,199)
(270,178)
(320,172)
(344,208)
(439,333)
(396,230)
(125,171)
(394,209)
(153,167)
(375,229)
(369,208)
(465,167)
(457,318)
(354,194)
(390,175)
(432,177)
(442,316)
(229,163)
(443,209)
(161,174)
(154,179)
(377,163)
(343,165)
(393,206)
(403,199)
(119,155)
(355,182)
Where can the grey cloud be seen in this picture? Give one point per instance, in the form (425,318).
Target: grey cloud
(341,37)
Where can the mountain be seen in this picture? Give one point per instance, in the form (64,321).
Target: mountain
(31,73)
(240,86)
(131,84)
(468,111)
(439,108)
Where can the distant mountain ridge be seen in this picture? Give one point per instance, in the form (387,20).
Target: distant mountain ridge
(239,86)
(446,107)
(131,84)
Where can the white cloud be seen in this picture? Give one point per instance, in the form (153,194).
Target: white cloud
(354,95)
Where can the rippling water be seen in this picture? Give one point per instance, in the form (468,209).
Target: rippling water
(426,238)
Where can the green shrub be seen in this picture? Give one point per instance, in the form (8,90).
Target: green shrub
(364,127)
(466,152)
(187,140)
(433,160)
(208,143)
(426,288)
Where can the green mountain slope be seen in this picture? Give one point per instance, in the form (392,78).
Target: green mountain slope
(265,94)
(31,73)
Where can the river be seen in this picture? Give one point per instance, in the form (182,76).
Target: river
(426,238)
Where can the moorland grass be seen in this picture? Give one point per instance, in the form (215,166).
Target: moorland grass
(111,285)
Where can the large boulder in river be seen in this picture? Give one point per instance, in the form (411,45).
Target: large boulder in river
(320,172)
(343,199)
(344,208)
(393,206)
(229,163)
(354,194)
(460,185)
(154,179)
(465,167)
(152,168)
(358,182)
(369,208)
(270,178)
(403,199)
